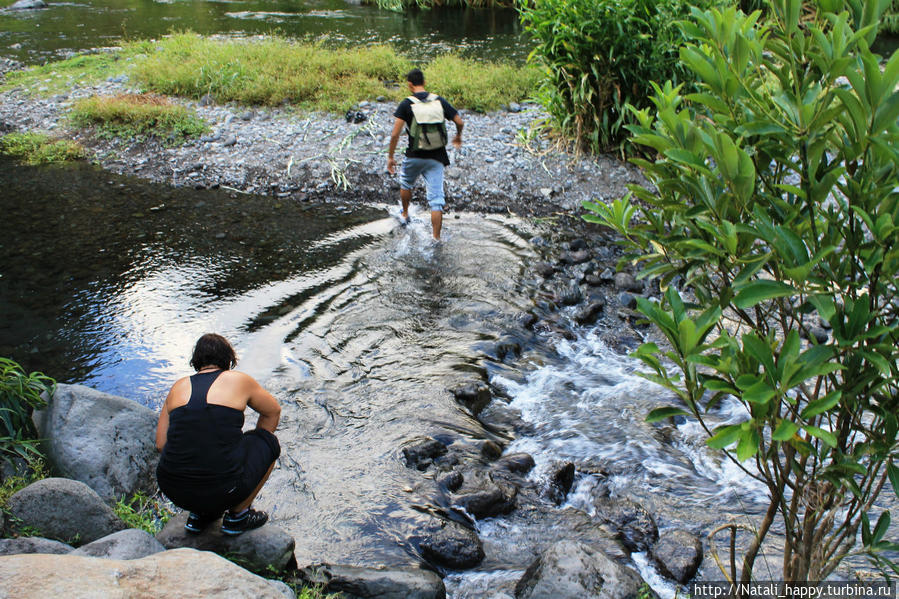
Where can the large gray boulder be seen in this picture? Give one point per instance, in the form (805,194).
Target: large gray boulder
(573,570)
(176,574)
(66,510)
(262,550)
(106,442)
(125,544)
(33,545)
(380,583)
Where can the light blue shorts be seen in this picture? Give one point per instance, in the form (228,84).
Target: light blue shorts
(432,171)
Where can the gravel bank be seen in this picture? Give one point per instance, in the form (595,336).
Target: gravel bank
(316,156)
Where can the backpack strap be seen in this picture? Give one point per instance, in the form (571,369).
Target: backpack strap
(431,97)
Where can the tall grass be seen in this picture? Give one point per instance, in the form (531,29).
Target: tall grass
(39,148)
(137,116)
(273,70)
(269,71)
(478,85)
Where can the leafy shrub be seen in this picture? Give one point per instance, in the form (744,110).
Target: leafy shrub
(38,148)
(146,513)
(138,116)
(599,56)
(777,206)
(20,395)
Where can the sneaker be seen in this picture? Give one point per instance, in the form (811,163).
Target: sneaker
(196,523)
(250,519)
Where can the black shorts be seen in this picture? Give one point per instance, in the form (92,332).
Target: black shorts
(261,449)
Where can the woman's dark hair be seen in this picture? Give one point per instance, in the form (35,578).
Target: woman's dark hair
(213,350)
(415,77)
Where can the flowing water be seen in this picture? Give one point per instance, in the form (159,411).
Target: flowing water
(360,327)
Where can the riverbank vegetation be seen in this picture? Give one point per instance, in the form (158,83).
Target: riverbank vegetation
(773,230)
(599,56)
(272,71)
(138,116)
(38,148)
(20,394)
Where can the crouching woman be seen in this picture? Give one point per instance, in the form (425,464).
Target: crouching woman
(209,466)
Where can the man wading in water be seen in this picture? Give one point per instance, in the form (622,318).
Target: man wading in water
(422,115)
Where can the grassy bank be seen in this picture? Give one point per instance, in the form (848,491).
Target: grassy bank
(273,70)
(138,116)
(38,148)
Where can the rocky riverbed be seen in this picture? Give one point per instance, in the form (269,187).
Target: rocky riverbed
(505,164)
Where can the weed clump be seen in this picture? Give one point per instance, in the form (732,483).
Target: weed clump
(138,116)
(39,148)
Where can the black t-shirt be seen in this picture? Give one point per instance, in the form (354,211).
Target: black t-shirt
(404,111)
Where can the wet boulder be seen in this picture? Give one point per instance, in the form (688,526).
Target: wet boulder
(490,499)
(420,453)
(505,347)
(166,574)
(678,555)
(545,270)
(527,319)
(380,583)
(262,550)
(518,463)
(104,441)
(574,570)
(33,545)
(491,449)
(125,544)
(632,523)
(560,482)
(589,313)
(474,396)
(451,481)
(65,510)
(448,544)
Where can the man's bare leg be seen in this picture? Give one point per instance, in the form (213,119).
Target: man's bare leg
(436,223)
(405,198)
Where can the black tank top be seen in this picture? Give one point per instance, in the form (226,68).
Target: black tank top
(203,440)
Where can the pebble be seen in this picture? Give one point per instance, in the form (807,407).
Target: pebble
(231,141)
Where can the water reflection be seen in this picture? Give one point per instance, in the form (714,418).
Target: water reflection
(35,36)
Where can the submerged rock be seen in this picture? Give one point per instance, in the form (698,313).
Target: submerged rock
(420,452)
(632,523)
(473,396)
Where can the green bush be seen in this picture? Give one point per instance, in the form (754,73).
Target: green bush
(20,395)
(38,148)
(137,116)
(600,55)
(776,207)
